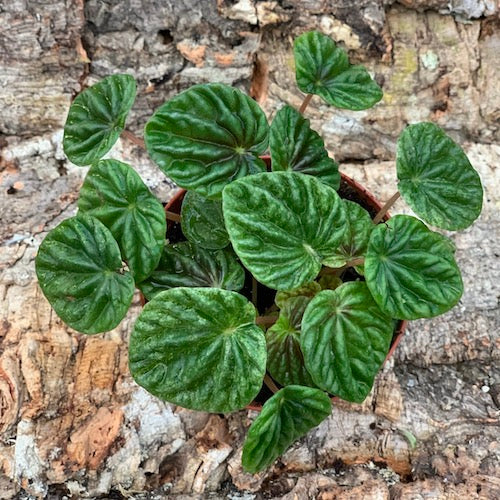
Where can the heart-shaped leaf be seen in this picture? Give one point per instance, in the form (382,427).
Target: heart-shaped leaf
(436,178)
(355,242)
(285,361)
(283,225)
(207,136)
(79,269)
(97,117)
(287,416)
(199,348)
(345,339)
(411,270)
(309,290)
(323,69)
(202,221)
(115,194)
(296,147)
(189,265)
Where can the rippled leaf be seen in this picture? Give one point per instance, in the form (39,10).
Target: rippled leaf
(79,269)
(202,221)
(308,290)
(285,361)
(411,270)
(208,136)
(97,117)
(187,264)
(199,348)
(296,147)
(115,194)
(355,241)
(323,69)
(283,225)
(329,282)
(436,178)
(345,339)
(287,416)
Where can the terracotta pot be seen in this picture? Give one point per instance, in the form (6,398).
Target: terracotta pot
(364,197)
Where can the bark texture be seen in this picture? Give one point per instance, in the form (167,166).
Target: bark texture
(72,421)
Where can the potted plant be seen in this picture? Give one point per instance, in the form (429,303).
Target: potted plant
(268,275)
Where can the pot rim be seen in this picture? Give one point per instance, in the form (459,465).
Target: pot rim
(174,204)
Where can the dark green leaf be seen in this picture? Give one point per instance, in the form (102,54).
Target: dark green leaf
(295,146)
(187,264)
(285,361)
(115,194)
(323,69)
(283,225)
(208,136)
(436,178)
(79,269)
(329,282)
(287,416)
(202,221)
(199,348)
(345,339)
(358,229)
(97,118)
(308,290)
(411,270)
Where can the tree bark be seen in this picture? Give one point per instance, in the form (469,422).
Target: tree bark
(73,422)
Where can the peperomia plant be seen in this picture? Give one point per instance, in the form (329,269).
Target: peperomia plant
(267,275)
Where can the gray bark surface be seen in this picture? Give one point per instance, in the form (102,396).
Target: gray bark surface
(72,421)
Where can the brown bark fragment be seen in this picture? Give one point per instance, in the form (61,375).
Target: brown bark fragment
(193,53)
(90,444)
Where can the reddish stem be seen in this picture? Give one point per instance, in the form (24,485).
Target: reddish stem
(338,270)
(266,320)
(386,207)
(130,136)
(172,216)
(270,383)
(305,103)
(254,291)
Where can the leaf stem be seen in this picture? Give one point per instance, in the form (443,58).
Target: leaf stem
(337,271)
(254,291)
(172,216)
(386,207)
(266,320)
(270,383)
(130,136)
(305,103)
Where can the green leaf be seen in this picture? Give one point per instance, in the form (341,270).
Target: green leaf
(345,339)
(436,178)
(79,269)
(285,361)
(411,270)
(308,290)
(115,194)
(296,147)
(323,69)
(208,136)
(329,282)
(283,225)
(202,221)
(97,118)
(355,242)
(199,348)
(189,265)
(287,416)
